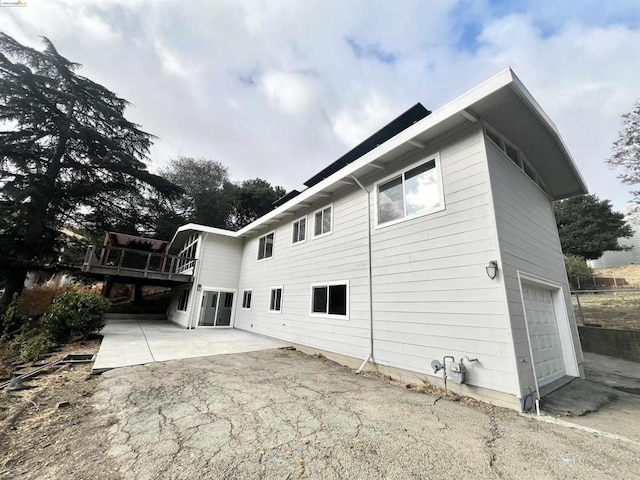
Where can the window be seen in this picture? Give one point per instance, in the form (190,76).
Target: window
(183,300)
(413,193)
(246,299)
(265,246)
(323,221)
(275,301)
(187,254)
(299,233)
(512,153)
(330,299)
(494,138)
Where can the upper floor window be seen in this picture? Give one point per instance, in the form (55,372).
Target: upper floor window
(188,253)
(299,231)
(412,193)
(265,246)
(323,221)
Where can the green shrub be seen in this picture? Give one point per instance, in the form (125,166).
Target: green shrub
(74,315)
(31,348)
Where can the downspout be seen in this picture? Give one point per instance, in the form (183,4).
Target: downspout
(370,356)
(196,281)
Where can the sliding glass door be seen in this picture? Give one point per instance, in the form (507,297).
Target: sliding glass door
(216,309)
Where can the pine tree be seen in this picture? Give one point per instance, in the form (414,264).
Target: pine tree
(66,151)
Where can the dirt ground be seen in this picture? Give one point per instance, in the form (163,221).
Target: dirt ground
(45,429)
(283,414)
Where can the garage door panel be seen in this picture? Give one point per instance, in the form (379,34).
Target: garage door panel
(543,334)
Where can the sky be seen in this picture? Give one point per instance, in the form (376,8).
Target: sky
(279,89)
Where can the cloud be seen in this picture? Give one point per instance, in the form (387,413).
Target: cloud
(279,90)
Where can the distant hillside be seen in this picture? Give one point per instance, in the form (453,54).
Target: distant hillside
(631,273)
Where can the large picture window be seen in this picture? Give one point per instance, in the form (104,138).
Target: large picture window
(265,246)
(323,221)
(330,299)
(414,192)
(275,300)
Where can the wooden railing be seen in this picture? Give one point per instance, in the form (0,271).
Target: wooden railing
(126,260)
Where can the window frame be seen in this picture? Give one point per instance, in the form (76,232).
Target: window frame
(330,315)
(400,174)
(298,220)
(250,296)
(189,249)
(273,246)
(187,294)
(271,290)
(313,217)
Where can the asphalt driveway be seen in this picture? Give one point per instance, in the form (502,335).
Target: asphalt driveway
(282,414)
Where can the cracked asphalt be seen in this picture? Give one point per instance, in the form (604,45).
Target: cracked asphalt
(284,415)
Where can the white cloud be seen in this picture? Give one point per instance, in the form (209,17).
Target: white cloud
(355,123)
(290,92)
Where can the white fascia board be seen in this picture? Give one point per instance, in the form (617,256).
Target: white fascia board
(452,108)
(535,107)
(203,228)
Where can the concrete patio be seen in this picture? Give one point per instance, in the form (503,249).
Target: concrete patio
(136,341)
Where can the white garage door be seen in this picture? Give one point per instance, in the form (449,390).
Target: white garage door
(543,334)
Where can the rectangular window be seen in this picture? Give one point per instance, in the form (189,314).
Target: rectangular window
(494,138)
(299,231)
(275,300)
(265,246)
(323,221)
(246,299)
(413,193)
(330,299)
(183,300)
(187,254)
(512,153)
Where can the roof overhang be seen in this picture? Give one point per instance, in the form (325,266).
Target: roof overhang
(184,231)
(502,101)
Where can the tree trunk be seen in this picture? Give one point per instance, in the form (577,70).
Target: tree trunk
(14,284)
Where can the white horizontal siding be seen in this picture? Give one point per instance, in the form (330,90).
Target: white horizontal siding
(432,296)
(341,256)
(220,261)
(529,242)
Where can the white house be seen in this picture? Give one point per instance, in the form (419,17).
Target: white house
(440,240)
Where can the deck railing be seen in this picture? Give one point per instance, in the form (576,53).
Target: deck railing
(127,260)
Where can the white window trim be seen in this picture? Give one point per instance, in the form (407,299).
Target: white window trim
(313,222)
(330,315)
(273,249)
(271,289)
(306,224)
(438,169)
(242,307)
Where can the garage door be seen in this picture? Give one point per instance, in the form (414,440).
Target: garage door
(543,334)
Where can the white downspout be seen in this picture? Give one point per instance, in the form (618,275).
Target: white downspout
(370,356)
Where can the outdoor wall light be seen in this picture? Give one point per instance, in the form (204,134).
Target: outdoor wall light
(492,269)
(200,286)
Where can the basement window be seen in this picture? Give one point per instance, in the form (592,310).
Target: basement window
(330,299)
(265,246)
(183,300)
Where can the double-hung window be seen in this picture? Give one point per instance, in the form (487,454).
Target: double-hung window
(414,192)
(330,299)
(275,300)
(323,221)
(299,231)
(265,246)
(246,299)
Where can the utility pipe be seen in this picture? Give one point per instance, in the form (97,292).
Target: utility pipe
(370,276)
